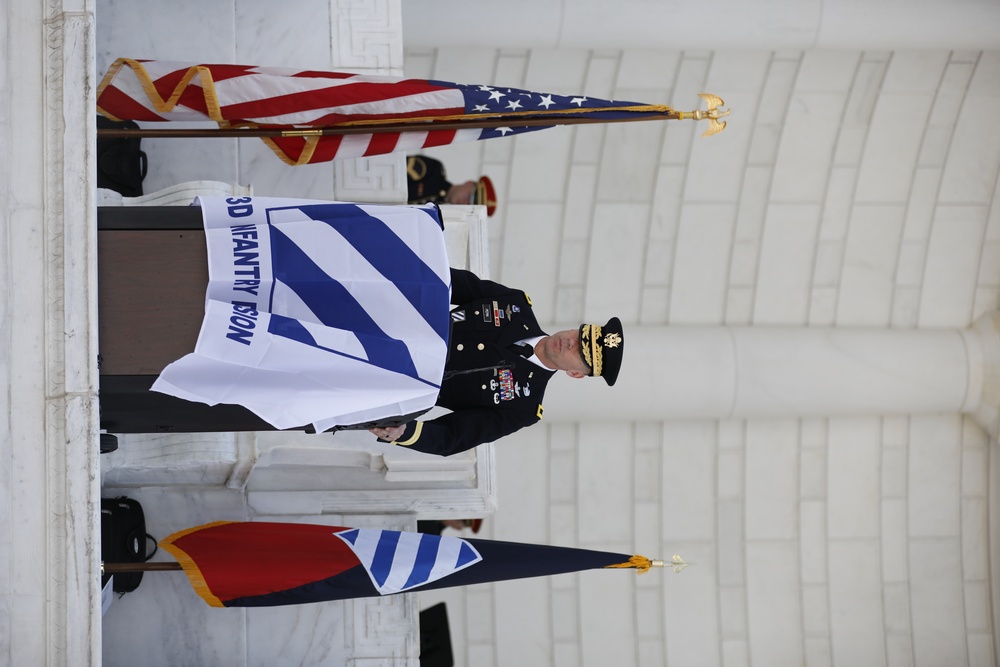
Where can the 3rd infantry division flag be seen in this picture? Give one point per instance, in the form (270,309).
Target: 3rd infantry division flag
(241,96)
(322,313)
(259,564)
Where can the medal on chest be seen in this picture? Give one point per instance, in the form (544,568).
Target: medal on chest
(506,385)
(492,312)
(505,388)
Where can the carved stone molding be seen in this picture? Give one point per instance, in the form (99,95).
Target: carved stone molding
(381,178)
(72,615)
(379,631)
(367,34)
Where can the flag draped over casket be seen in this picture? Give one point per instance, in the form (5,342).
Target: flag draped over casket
(261,564)
(323,313)
(270,97)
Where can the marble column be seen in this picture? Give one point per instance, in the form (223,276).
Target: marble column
(747,372)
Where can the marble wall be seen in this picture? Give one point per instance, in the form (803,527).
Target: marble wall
(49,534)
(851,188)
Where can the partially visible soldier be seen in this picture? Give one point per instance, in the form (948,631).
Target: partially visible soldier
(426,182)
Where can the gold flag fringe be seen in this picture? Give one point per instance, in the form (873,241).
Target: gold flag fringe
(640,563)
(190,568)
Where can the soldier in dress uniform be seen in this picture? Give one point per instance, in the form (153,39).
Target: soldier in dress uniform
(427,182)
(499,362)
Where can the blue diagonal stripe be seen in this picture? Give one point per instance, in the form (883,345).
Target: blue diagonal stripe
(377,243)
(466,555)
(334,305)
(385,553)
(289,328)
(426,558)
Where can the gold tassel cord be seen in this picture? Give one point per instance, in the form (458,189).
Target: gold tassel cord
(640,563)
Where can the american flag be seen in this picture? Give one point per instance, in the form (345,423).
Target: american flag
(268,97)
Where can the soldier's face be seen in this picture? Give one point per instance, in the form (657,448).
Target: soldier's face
(561,351)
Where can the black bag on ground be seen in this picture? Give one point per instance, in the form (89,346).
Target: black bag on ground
(435,637)
(121,165)
(123,540)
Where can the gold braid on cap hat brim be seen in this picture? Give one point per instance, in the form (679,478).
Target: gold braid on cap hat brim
(481,196)
(590,346)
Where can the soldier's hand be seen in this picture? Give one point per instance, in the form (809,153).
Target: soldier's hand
(389,433)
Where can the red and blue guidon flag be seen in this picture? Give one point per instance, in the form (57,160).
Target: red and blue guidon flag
(268,97)
(260,564)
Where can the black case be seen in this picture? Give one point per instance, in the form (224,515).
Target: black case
(123,540)
(121,164)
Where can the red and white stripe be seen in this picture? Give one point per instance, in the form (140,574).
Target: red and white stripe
(271,96)
(274,96)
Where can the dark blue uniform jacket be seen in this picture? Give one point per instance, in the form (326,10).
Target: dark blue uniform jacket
(491,390)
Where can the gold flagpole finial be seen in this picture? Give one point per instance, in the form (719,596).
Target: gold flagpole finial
(712,114)
(677,563)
